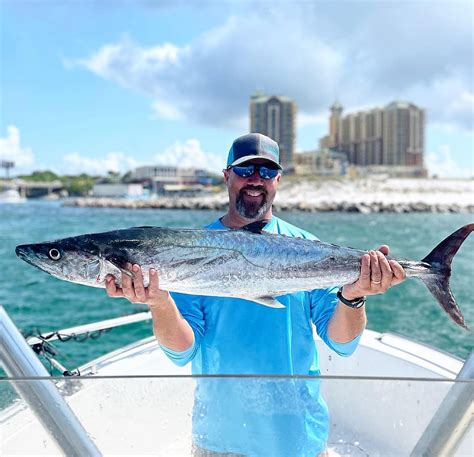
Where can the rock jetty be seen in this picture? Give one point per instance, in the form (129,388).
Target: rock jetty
(357,196)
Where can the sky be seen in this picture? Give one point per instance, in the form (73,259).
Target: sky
(109,85)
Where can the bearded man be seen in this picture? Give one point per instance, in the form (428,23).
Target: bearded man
(230,336)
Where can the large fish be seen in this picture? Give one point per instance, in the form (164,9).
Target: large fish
(249,264)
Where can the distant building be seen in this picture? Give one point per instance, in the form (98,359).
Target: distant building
(163,179)
(35,189)
(403,134)
(118,190)
(388,171)
(389,136)
(323,162)
(275,116)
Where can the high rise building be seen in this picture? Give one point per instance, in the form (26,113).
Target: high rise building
(393,135)
(275,116)
(403,133)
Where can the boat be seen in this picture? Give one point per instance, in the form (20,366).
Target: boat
(11,196)
(392,397)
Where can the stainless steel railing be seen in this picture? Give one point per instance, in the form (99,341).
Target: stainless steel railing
(42,396)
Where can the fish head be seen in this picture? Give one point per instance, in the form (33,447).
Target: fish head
(75,259)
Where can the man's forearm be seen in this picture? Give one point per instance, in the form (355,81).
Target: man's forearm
(170,328)
(346,323)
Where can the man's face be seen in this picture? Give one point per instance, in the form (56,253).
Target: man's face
(252,197)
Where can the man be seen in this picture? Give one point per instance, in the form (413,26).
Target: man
(260,416)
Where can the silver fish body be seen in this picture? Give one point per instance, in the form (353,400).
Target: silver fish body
(228,263)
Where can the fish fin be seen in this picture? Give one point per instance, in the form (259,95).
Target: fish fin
(120,263)
(130,274)
(439,260)
(268,301)
(256,227)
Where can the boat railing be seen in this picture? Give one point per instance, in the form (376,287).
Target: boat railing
(452,418)
(89,328)
(44,399)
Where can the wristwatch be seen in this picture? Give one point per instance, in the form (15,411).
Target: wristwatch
(358,302)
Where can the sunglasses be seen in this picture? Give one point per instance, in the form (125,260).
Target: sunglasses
(245,171)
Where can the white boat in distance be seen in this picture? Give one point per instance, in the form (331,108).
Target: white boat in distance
(393,397)
(11,196)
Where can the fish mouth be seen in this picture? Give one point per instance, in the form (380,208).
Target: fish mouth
(24,252)
(21,252)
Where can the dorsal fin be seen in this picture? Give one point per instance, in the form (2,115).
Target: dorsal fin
(256,227)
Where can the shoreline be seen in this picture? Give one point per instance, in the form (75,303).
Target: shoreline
(348,207)
(330,195)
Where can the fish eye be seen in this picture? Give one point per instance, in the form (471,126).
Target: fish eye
(54,254)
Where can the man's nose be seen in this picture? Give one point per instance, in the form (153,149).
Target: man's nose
(255,177)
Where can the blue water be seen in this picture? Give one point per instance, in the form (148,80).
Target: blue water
(37,301)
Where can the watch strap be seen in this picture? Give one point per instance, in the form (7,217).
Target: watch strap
(358,302)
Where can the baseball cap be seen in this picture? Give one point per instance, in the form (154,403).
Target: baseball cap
(253,146)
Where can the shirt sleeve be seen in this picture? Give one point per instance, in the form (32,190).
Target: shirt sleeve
(190,308)
(323,305)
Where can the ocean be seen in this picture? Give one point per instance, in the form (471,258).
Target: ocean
(38,302)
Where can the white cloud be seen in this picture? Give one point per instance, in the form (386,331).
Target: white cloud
(442,164)
(368,54)
(189,154)
(450,105)
(210,80)
(11,149)
(164,110)
(76,163)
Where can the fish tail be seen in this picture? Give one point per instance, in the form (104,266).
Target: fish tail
(437,281)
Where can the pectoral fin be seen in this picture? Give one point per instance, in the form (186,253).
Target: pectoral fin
(130,274)
(268,301)
(119,264)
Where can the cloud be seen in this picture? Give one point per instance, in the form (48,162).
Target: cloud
(11,149)
(368,54)
(76,163)
(189,154)
(450,105)
(210,79)
(442,164)
(164,110)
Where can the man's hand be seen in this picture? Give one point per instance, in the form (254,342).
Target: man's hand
(134,290)
(377,275)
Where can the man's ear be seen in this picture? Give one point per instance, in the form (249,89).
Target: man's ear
(226,175)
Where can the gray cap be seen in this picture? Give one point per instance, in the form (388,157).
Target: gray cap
(253,146)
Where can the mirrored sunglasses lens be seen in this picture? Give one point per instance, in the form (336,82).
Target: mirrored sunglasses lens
(268,173)
(244,172)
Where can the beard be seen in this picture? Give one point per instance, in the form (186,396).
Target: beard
(251,210)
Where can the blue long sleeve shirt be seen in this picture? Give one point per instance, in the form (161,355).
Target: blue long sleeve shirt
(259,416)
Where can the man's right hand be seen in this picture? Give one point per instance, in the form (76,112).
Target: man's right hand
(134,290)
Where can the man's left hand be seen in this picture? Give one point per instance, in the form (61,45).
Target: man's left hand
(377,275)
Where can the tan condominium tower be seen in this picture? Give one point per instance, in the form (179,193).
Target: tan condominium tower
(392,135)
(275,116)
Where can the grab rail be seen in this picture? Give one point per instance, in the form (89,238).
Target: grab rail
(42,396)
(452,419)
(93,327)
